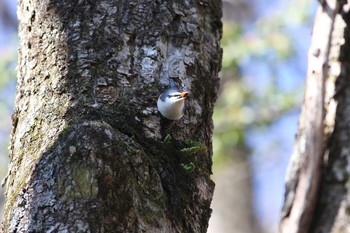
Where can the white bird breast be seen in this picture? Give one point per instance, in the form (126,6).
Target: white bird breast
(172,109)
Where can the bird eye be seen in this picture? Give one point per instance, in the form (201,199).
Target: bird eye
(174,95)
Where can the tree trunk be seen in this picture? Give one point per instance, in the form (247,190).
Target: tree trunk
(87,150)
(233,207)
(317,188)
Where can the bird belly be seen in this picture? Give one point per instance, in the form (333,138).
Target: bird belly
(171,112)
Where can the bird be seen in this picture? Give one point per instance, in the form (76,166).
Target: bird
(171,103)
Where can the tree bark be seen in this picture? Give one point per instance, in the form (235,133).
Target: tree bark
(87,150)
(317,179)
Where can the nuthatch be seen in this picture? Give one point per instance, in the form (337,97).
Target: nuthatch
(171,103)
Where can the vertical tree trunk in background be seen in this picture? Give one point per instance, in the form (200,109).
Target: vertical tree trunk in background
(317,189)
(233,207)
(87,150)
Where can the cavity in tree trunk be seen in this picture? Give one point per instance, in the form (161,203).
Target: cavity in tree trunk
(87,150)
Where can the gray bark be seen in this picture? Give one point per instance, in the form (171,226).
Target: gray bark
(87,147)
(317,189)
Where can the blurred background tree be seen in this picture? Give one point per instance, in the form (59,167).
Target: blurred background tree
(265,52)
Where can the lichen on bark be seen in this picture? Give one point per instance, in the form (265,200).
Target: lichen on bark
(86,149)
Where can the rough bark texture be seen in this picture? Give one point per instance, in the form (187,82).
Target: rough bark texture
(317,189)
(332,210)
(87,150)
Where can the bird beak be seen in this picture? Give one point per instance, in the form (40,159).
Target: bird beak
(184,94)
